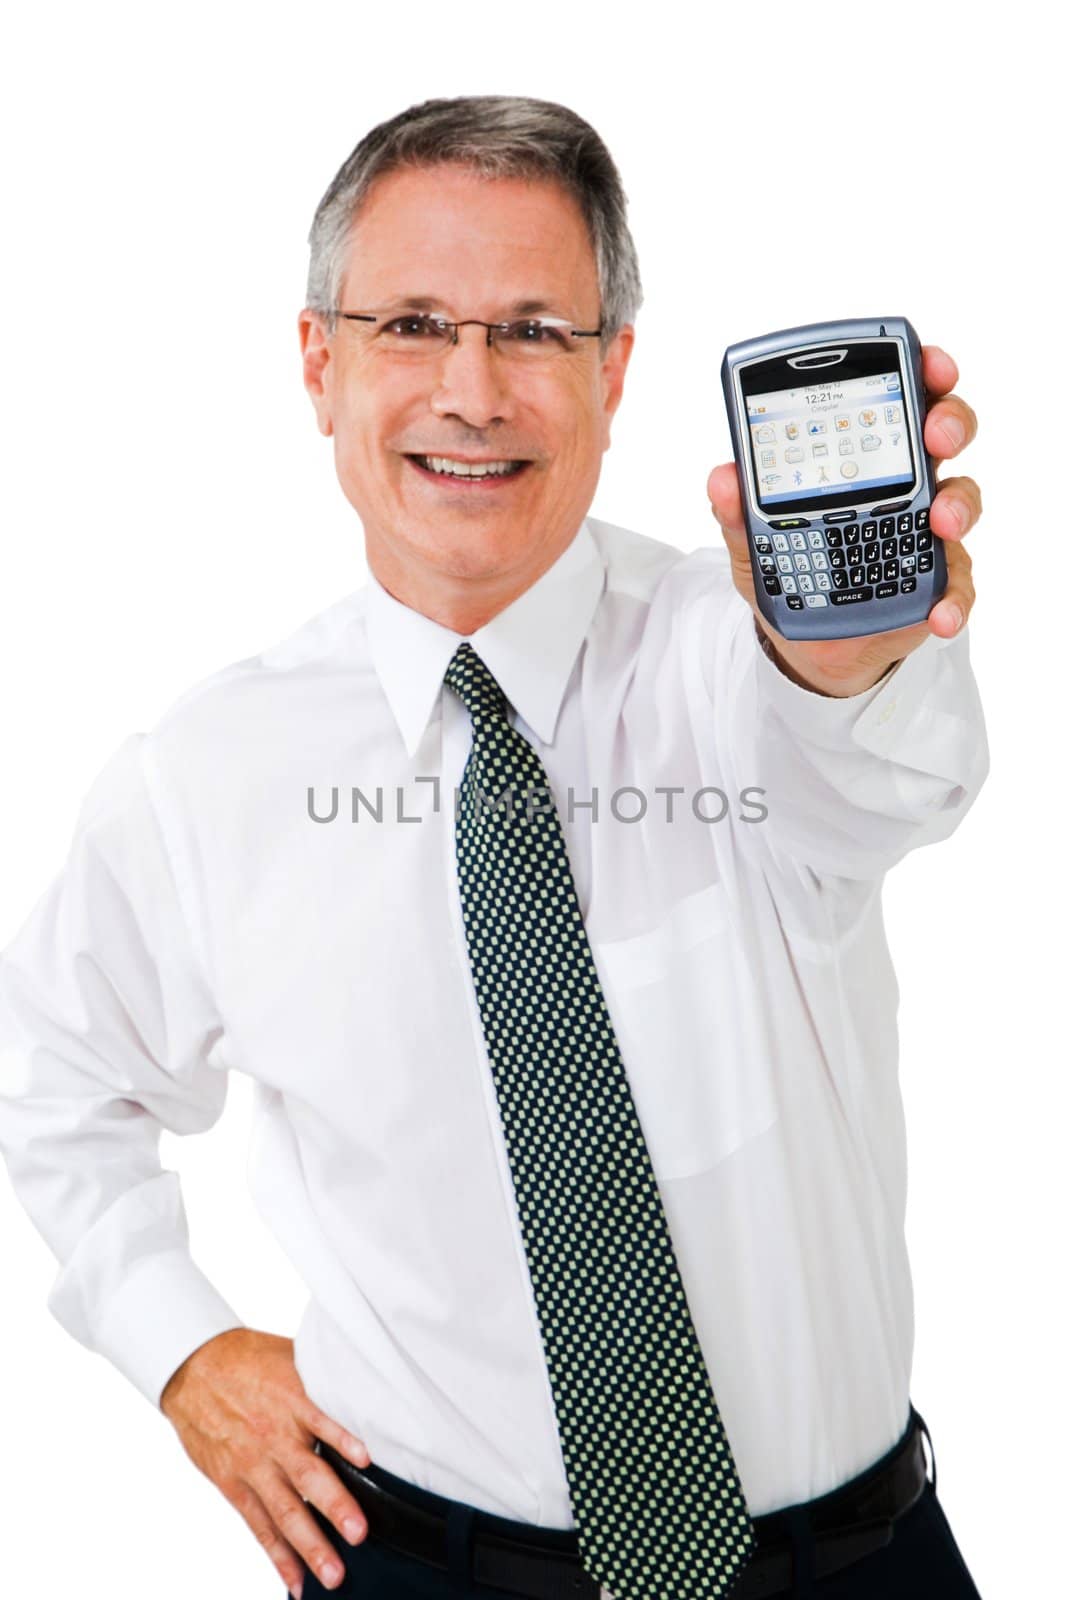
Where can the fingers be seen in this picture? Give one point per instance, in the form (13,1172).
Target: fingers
(950,427)
(955,508)
(277,1503)
(323,1427)
(952,610)
(286,1561)
(940,372)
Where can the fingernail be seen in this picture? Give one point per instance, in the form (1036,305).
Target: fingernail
(952,427)
(957,617)
(353,1530)
(959,515)
(332,1573)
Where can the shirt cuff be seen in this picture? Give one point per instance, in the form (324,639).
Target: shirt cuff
(874,719)
(141,1302)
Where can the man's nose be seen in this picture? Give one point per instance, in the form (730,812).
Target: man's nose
(471,382)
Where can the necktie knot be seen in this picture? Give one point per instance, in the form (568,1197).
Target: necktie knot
(471,679)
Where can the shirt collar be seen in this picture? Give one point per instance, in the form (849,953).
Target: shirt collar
(530,647)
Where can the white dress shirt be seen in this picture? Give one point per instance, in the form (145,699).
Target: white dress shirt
(211,917)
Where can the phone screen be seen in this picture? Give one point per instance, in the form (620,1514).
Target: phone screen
(832,435)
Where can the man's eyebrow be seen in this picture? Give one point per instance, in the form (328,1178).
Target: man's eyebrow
(422,302)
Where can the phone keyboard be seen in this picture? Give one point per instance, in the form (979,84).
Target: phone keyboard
(845,562)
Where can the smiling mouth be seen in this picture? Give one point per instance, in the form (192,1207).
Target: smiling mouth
(474,477)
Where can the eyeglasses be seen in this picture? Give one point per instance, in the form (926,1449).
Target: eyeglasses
(418,335)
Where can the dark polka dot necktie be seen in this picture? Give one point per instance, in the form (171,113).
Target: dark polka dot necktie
(656,1497)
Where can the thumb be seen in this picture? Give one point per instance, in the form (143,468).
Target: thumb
(725,496)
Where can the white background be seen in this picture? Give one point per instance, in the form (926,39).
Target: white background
(169,507)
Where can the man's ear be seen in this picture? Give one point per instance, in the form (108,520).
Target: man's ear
(613,375)
(315,350)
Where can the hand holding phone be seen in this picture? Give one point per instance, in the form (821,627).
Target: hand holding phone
(827,423)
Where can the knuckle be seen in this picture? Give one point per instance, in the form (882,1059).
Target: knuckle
(303,1475)
(291,1518)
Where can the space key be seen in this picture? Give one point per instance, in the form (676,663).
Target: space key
(846,597)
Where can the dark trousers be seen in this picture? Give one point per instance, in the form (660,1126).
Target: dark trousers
(921,1562)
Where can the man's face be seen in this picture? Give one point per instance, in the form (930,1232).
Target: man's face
(475,247)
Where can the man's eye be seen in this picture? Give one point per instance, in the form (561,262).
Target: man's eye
(534,333)
(410,327)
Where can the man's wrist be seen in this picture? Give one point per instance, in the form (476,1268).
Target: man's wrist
(828,688)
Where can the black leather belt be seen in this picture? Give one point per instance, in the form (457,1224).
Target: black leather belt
(543,1563)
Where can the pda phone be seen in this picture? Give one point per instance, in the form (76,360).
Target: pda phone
(827,428)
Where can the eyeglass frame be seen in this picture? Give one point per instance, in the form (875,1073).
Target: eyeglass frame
(445,322)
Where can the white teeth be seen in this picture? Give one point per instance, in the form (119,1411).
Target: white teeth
(468,469)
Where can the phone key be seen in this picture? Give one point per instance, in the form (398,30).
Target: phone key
(889,548)
(762,542)
(822,580)
(907,585)
(926,561)
(848,597)
(839,516)
(898,505)
(780,541)
(853,533)
(870,530)
(791,522)
(815,539)
(785,563)
(885,590)
(789,585)
(871,551)
(892,569)
(795,603)
(907,543)
(818,561)
(922,519)
(797,541)
(874,572)
(924,541)
(904,523)
(834,538)
(841,580)
(907,565)
(887,527)
(817,599)
(772,585)
(854,555)
(806,584)
(837,558)
(801,563)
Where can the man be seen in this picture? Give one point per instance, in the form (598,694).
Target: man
(306,872)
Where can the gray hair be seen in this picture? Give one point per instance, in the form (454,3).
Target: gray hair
(497,136)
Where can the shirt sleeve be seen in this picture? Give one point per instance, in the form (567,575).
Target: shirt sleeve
(852,783)
(108,1035)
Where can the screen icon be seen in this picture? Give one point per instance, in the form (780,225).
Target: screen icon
(842,424)
(849,469)
(820,427)
(818,450)
(870,441)
(794,453)
(792,431)
(765,435)
(892,413)
(868,417)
